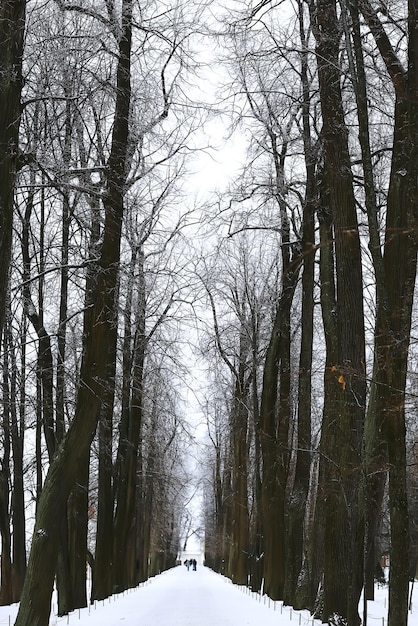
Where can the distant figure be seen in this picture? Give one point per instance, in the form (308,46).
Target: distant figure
(187,564)
(194,563)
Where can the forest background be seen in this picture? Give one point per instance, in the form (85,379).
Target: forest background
(280,304)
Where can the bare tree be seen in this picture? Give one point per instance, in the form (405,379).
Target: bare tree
(393,318)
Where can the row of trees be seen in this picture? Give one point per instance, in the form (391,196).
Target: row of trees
(312,321)
(307,410)
(95,131)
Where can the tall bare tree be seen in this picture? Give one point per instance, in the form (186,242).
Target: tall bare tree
(393,318)
(343,432)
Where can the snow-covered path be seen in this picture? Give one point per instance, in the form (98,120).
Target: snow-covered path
(186,598)
(201,598)
(182,598)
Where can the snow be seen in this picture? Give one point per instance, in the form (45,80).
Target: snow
(186,598)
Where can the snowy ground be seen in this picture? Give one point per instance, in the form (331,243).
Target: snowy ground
(201,598)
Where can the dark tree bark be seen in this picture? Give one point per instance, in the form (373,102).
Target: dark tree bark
(393,320)
(12,506)
(17,429)
(98,339)
(6,588)
(12,28)
(274,438)
(239,547)
(146,501)
(77,514)
(315,560)
(127,458)
(238,536)
(256,529)
(65,591)
(342,564)
(296,539)
(375,449)
(227,493)
(102,583)
(216,528)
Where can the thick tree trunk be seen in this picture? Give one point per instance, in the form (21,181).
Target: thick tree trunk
(62,578)
(127,459)
(225,530)
(392,344)
(393,326)
(240,529)
(239,546)
(274,441)
(400,261)
(77,508)
(375,448)
(343,565)
(102,583)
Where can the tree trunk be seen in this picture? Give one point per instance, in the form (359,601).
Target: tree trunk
(239,545)
(375,448)
(127,459)
(147,500)
(102,570)
(299,494)
(77,536)
(18,508)
(225,531)
(17,429)
(296,535)
(343,563)
(274,442)
(393,325)
(6,588)
(256,565)
(314,577)
(392,351)
(12,28)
